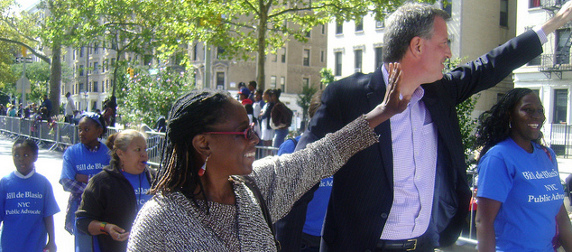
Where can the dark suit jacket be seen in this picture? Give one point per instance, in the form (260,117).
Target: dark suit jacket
(363,189)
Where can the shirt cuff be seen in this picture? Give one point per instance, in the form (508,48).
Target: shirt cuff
(541,34)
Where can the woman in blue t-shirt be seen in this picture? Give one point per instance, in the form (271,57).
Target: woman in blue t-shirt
(81,162)
(113,197)
(520,198)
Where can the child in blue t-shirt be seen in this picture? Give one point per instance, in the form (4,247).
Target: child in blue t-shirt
(27,204)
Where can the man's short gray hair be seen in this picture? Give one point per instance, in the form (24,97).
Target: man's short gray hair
(409,21)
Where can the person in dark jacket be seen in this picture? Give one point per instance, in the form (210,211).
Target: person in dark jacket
(113,197)
(410,191)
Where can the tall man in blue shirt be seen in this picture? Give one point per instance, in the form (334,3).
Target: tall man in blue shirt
(410,192)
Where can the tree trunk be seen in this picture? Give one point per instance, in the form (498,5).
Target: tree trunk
(113,99)
(262,44)
(55,78)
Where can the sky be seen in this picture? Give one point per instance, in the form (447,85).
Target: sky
(26,3)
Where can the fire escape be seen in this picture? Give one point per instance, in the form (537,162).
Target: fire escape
(558,61)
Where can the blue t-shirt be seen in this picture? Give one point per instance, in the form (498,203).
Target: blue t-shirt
(25,202)
(79,160)
(140,185)
(528,186)
(317,206)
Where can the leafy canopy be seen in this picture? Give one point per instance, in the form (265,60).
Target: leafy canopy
(150,93)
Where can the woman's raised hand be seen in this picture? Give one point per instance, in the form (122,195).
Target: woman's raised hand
(394,102)
(394,99)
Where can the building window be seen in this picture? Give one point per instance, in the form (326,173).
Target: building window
(338,64)
(81,52)
(358,60)
(535,62)
(309,34)
(562,53)
(560,105)
(504,13)
(95,67)
(533,3)
(80,70)
(195,52)
(322,56)
(74,53)
(306,57)
(272,81)
(305,82)
(283,83)
(95,87)
(379,24)
(81,88)
(378,57)
(283,55)
(323,29)
(219,52)
(220,80)
(95,48)
(359,24)
(339,27)
(274,57)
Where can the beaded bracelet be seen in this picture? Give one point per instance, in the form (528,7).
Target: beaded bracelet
(102,227)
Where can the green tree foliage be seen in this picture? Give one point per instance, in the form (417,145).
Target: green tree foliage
(147,96)
(466,122)
(120,25)
(308,91)
(40,30)
(7,77)
(303,101)
(38,73)
(327,77)
(253,28)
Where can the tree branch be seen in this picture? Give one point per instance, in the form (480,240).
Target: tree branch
(36,53)
(296,9)
(252,7)
(15,28)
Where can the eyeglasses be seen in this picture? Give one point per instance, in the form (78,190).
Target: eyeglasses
(248,133)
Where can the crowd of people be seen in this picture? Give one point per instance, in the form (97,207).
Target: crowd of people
(399,177)
(271,117)
(43,112)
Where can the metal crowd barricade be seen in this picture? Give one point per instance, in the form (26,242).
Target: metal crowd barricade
(263,151)
(62,135)
(155,143)
(59,135)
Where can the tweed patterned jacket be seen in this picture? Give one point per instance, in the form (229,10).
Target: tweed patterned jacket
(171,222)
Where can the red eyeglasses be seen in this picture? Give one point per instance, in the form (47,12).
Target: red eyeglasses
(248,133)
